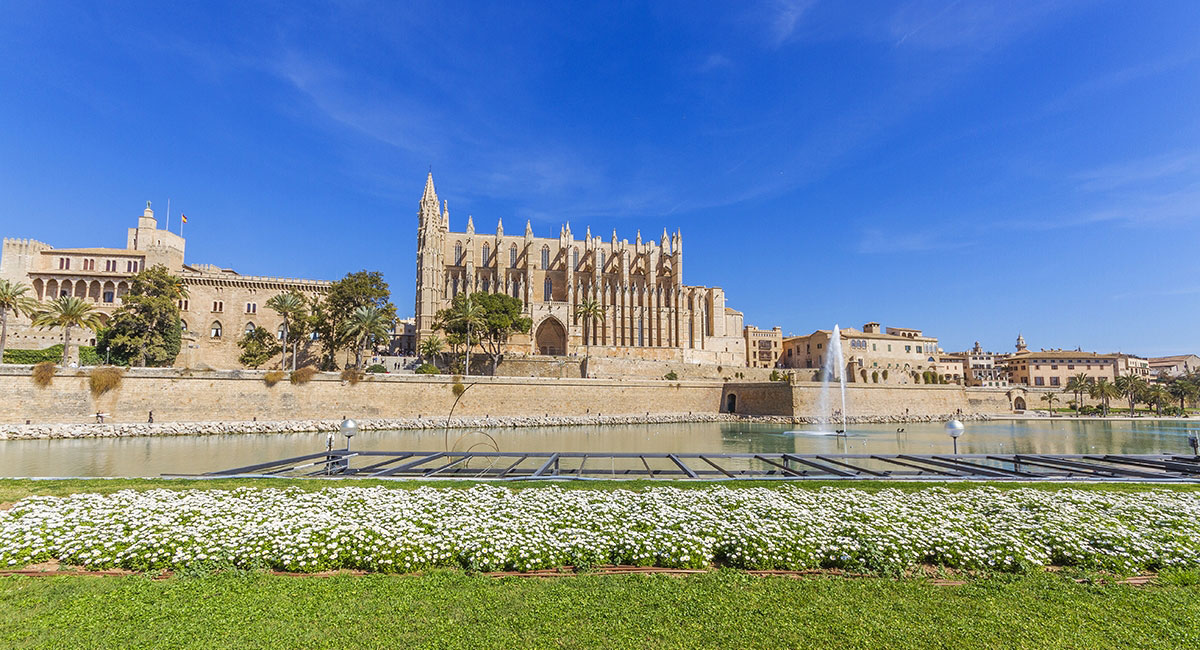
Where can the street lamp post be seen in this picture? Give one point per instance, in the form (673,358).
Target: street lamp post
(349,429)
(955,429)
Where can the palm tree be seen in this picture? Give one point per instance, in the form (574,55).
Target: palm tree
(1130,386)
(13,299)
(1156,395)
(589,310)
(431,347)
(1050,399)
(1079,385)
(67,312)
(467,313)
(291,307)
(366,323)
(1104,390)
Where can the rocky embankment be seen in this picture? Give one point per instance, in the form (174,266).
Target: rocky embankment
(125,430)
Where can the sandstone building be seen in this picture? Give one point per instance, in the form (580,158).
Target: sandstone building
(896,355)
(648,312)
(221,305)
(1174,366)
(1054,368)
(763,347)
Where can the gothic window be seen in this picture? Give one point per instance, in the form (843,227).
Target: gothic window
(108,296)
(455,285)
(487,252)
(512,256)
(487,285)
(575,258)
(249,328)
(458,253)
(251,308)
(545,257)
(641,333)
(548,290)
(215,330)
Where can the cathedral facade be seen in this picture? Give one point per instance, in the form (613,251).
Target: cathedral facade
(647,310)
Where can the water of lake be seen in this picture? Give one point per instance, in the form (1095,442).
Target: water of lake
(196,454)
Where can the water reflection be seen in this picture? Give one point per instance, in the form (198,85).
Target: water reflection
(196,454)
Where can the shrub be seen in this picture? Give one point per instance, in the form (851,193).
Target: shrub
(274,377)
(774,375)
(874,376)
(458,389)
(87,355)
(303,375)
(351,375)
(43,373)
(104,379)
(377,368)
(885,374)
(1172,411)
(427,369)
(671,376)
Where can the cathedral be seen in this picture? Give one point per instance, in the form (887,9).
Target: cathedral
(647,310)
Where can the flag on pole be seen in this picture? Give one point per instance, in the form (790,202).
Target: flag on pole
(183,217)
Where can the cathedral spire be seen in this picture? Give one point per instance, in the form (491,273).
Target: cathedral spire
(470,225)
(499,227)
(430,193)
(528,228)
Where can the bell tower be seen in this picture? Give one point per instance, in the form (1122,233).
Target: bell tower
(432,225)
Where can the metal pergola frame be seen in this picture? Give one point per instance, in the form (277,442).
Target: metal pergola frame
(535,465)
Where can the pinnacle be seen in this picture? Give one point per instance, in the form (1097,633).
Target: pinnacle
(430,193)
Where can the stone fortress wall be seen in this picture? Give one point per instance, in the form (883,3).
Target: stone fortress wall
(203,396)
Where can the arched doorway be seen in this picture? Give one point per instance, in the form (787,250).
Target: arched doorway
(551,338)
(731,403)
(1019,404)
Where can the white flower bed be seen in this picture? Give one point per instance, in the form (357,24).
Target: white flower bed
(494,528)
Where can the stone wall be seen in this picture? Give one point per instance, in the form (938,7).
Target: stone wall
(192,396)
(197,396)
(802,399)
(612,368)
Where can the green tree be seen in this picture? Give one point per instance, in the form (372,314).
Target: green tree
(589,310)
(1050,399)
(1156,395)
(1182,389)
(430,347)
(292,307)
(1130,386)
(462,322)
(501,318)
(13,299)
(1103,390)
(145,330)
(345,296)
(258,347)
(67,312)
(367,324)
(1079,384)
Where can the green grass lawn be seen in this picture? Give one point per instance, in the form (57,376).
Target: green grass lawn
(718,610)
(15,489)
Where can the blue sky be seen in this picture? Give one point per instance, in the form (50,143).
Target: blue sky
(975,169)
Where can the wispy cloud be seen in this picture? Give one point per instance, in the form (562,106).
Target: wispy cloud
(974,24)
(715,61)
(875,241)
(783,17)
(1139,172)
